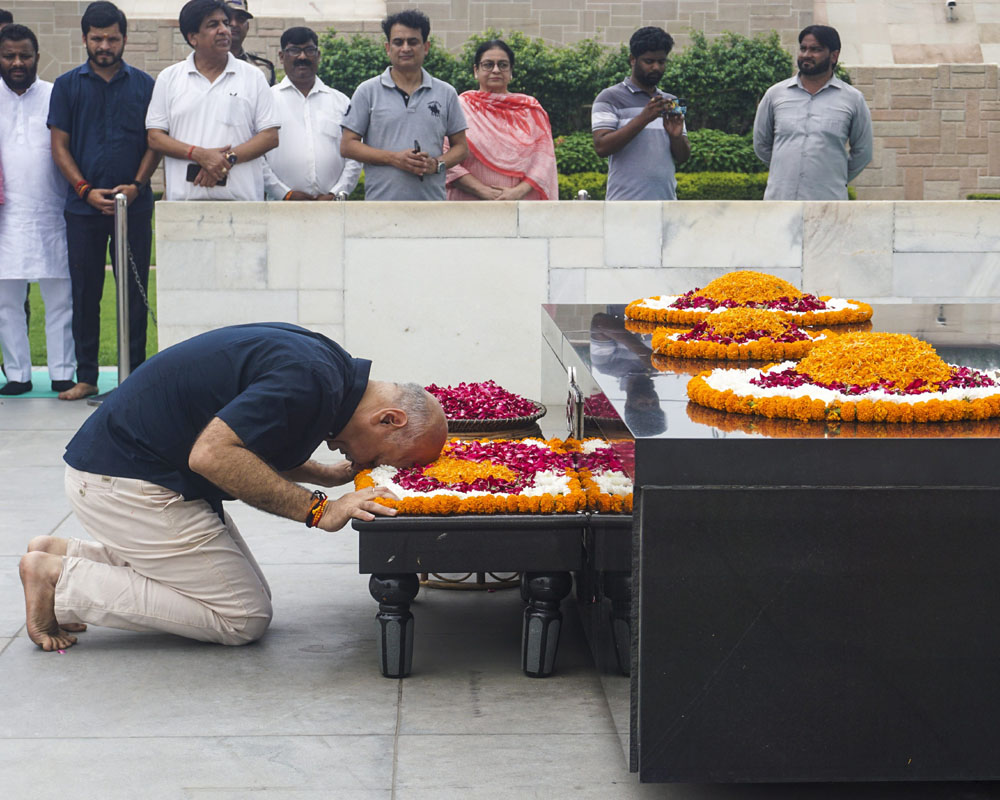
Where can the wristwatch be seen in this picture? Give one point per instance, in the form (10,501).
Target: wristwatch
(441,168)
(231,158)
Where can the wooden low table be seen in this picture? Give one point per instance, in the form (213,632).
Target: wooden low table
(544,548)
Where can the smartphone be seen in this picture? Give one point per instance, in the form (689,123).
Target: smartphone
(416,149)
(675,107)
(194,169)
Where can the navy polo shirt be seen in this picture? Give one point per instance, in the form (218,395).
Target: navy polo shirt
(106,123)
(283,390)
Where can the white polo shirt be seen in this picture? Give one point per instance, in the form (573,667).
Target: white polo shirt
(229,111)
(308,158)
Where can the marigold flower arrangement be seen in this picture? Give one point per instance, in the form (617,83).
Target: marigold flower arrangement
(837,429)
(746,288)
(867,377)
(603,473)
(739,334)
(511,476)
(480,476)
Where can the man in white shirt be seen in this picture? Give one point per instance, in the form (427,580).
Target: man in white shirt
(306,164)
(211,115)
(32,228)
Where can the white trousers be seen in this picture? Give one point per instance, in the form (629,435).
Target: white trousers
(57,294)
(160,563)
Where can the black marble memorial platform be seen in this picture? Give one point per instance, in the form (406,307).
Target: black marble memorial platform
(809,602)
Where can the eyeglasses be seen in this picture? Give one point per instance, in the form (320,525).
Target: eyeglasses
(489,66)
(295,52)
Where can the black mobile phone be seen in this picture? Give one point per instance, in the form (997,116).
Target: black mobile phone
(194,169)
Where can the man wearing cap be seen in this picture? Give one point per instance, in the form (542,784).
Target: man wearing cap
(239,28)
(212,115)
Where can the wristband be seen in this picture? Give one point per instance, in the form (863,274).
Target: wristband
(79,185)
(288,195)
(190,151)
(138,185)
(316,510)
(85,191)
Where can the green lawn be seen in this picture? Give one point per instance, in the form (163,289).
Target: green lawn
(108,355)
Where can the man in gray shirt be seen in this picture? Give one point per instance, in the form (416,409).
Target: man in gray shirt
(804,123)
(640,127)
(397,121)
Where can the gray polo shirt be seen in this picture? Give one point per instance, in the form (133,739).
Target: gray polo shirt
(644,168)
(802,138)
(381,116)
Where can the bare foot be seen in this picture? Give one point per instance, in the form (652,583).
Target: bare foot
(78,392)
(56,546)
(39,573)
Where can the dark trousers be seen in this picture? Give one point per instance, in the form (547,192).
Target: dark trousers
(87,237)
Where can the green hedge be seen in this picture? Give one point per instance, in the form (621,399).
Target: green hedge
(718,151)
(690,186)
(982,196)
(575,153)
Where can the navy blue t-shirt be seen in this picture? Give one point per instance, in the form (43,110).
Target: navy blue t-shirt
(106,123)
(283,390)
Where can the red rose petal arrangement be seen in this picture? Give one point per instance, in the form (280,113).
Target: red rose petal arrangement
(486,400)
(507,476)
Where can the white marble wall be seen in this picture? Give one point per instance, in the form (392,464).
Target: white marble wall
(447,292)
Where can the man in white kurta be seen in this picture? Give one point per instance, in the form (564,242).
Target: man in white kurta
(32,228)
(307,164)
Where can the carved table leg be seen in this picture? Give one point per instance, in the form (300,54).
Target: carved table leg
(394,594)
(618,588)
(542,621)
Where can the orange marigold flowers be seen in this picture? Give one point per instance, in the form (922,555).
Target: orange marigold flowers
(507,476)
(738,334)
(867,377)
(747,286)
(862,359)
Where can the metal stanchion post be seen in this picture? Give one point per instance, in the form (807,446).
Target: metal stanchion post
(121,292)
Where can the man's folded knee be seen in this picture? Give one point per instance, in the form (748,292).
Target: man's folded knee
(249,629)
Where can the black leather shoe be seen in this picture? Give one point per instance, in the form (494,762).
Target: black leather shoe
(62,386)
(15,387)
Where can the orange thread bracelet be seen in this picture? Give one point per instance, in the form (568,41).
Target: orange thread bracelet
(289,194)
(317,509)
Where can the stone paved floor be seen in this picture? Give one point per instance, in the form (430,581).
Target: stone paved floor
(304,712)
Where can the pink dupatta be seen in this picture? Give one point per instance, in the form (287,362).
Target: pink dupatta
(511,134)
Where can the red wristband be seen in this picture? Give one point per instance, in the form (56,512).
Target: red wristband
(190,151)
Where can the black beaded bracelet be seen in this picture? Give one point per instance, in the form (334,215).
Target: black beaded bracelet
(138,185)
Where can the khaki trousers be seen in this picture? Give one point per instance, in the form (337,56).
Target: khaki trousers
(160,563)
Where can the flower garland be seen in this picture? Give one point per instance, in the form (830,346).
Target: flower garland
(868,377)
(746,288)
(483,476)
(742,333)
(511,477)
(837,429)
(603,473)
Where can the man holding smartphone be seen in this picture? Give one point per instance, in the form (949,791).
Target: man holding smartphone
(640,127)
(212,115)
